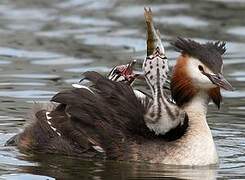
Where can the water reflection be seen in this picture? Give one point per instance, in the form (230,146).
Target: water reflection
(86,169)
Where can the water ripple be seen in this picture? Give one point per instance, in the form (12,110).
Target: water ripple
(84,69)
(32,76)
(11,52)
(46,45)
(25,176)
(127,42)
(240,31)
(187,21)
(62,61)
(136,11)
(89,21)
(30,94)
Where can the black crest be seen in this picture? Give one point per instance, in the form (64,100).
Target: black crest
(208,53)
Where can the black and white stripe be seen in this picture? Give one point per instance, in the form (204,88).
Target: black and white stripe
(48,117)
(162,115)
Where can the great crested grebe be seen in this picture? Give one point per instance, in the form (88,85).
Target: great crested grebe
(111,122)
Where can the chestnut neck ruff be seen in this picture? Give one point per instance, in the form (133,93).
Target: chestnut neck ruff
(182,88)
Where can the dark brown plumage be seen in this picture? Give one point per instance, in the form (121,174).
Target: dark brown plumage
(107,123)
(208,53)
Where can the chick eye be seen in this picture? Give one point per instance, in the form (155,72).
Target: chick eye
(200,68)
(117,71)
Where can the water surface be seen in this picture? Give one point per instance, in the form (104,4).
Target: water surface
(46,45)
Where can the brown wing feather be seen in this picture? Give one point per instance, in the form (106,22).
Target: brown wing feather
(110,118)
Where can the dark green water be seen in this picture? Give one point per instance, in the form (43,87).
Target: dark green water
(46,45)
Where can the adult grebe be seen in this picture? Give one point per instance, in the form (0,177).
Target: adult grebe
(197,79)
(110,123)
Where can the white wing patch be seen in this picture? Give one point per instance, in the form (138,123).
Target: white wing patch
(47,116)
(79,86)
(50,124)
(99,149)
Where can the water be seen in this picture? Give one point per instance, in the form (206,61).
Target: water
(45,45)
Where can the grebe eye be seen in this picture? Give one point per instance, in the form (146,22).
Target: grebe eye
(200,68)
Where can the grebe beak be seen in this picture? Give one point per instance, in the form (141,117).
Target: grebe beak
(220,81)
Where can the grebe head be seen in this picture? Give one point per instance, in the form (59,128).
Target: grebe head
(199,68)
(123,73)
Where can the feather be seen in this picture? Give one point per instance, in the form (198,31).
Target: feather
(209,53)
(107,122)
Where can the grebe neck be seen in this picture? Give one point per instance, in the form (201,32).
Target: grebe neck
(198,104)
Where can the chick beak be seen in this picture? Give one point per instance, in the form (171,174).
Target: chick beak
(128,72)
(219,80)
(129,69)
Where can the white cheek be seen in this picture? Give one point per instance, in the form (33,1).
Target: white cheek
(198,79)
(203,81)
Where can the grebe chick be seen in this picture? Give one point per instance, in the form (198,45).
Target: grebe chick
(120,73)
(123,73)
(162,116)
